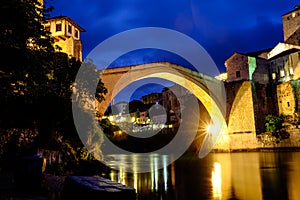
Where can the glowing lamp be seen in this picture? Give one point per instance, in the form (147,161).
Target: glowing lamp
(212,129)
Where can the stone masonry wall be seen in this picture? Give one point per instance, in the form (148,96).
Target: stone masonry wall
(249,142)
(290,22)
(294,38)
(243,141)
(261,104)
(286,99)
(261,97)
(296,89)
(240,110)
(261,73)
(237,63)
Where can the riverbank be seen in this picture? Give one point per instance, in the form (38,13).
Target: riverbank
(52,186)
(251,142)
(261,149)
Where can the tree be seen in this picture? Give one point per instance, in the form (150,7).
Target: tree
(274,125)
(55,108)
(26,48)
(36,83)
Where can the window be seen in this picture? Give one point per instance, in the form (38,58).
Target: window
(282,73)
(76,34)
(58,27)
(288,104)
(47,28)
(291,71)
(273,75)
(237,74)
(69,29)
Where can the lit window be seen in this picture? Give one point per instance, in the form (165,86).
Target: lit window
(282,73)
(47,28)
(58,27)
(238,74)
(293,15)
(274,76)
(291,71)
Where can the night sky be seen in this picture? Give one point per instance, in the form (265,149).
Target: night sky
(221,27)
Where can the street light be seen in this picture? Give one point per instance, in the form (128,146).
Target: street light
(132,119)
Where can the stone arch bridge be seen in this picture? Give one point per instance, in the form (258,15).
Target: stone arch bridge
(208,90)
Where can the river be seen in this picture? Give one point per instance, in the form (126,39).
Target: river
(247,175)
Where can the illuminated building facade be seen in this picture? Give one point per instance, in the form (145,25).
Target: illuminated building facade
(291,25)
(66,35)
(267,81)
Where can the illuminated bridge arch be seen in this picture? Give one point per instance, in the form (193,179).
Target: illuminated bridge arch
(207,89)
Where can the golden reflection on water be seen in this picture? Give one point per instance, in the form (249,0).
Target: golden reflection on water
(173,175)
(155,180)
(236,176)
(294,178)
(230,176)
(270,175)
(216,178)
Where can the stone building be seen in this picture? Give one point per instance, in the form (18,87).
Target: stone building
(283,64)
(66,34)
(152,98)
(265,82)
(291,25)
(246,89)
(171,98)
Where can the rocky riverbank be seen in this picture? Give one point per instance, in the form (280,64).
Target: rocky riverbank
(52,187)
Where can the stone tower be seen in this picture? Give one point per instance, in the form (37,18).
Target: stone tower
(291,22)
(66,34)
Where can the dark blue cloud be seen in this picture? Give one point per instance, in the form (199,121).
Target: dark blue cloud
(221,27)
(263,34)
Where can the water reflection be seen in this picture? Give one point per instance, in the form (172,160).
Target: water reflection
(280,175)
(240,175)
(217,176)
(293,176)
(154,184)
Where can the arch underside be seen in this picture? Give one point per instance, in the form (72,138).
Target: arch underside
(200,89)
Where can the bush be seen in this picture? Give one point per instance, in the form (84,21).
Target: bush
(275,132)
(273,123)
